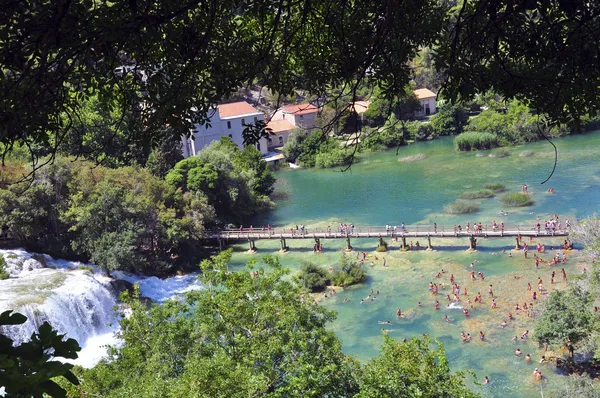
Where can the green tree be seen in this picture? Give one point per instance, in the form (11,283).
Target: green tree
(312,277)
(245,336)
(411,369)
(566,319)
(449,120)
(29,369)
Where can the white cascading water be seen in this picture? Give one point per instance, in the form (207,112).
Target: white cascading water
(77,302)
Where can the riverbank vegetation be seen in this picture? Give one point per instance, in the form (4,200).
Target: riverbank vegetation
(461,207)
(472,140)
(129,218)
(515,199)
(3,272)
(254,334)
(315,150)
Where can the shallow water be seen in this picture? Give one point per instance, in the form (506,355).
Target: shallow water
(381,189)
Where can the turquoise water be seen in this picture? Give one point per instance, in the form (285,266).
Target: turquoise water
(382,188)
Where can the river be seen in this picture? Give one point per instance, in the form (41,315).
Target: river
(383,188)
(387,188)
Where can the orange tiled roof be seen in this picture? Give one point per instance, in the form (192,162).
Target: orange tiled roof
(300,109)
(277,126)
(423,93)
(236,109)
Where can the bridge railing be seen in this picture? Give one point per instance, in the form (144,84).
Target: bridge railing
(406,230)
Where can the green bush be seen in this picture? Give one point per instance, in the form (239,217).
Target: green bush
(312,277)
(461,207)
(513,199)
(332,158)
(3,273)
(473,140)
(350,273)
(450,120)
(495,187)
(480,194)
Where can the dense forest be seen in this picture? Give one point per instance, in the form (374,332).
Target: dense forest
(130,217)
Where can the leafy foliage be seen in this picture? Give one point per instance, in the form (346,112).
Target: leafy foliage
(27,369)
(315,149)
(169,63)
(566,315)
(413,369)
(248,336)
(312,277)
(450,120)
(236,183)
(350,272)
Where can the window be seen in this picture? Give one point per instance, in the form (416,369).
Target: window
(255,119)
(229,125)
(270,140)
(280,140)
(301,117)
(258,146)
(230,136)
(243,122)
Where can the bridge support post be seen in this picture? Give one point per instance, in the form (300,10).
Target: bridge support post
(517,247)
(348,245)
(429,247)
(472,243)
(404,246)
(220,244)
(284,247)
(252,246)
(382,246)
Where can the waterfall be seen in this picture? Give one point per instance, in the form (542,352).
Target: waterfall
(74,298)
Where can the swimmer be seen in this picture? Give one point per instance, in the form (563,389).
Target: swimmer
(528,358)
(447,318)
(419,304)
(486,380)
(346,300)
(518,352)
(362,301)
(384,322)
(543,359)
(503,324)
(481,336)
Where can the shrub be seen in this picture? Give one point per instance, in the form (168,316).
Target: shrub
(473,140)
(495,187)
(335,157)
(312,277)
(513,199)
(480,194)
(3,273)
(461,207)
(349,273)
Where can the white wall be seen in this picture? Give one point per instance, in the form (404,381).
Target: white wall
(424,102)
(204,135)
(306,121)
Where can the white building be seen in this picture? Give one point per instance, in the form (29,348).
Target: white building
(226,120)
(427,100)
(302,116)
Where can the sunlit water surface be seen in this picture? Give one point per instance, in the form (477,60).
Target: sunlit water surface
(383,189)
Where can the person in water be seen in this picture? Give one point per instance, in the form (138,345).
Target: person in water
(528,358)
(481,336)
(486,380)
(518,352)
(384,322)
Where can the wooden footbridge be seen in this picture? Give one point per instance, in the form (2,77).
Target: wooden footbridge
(381,233)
